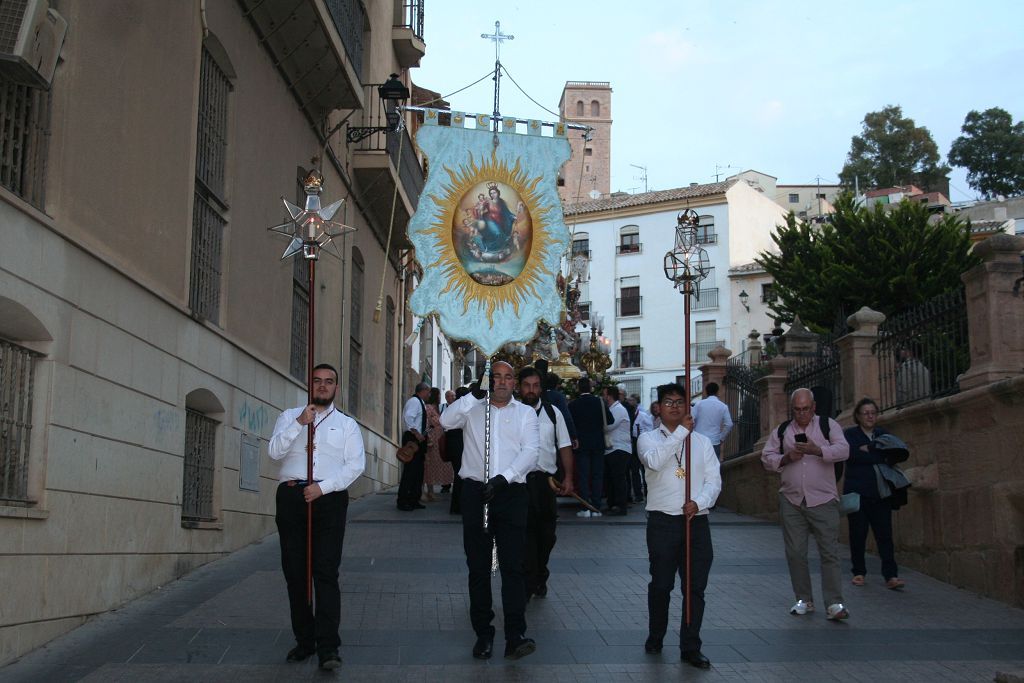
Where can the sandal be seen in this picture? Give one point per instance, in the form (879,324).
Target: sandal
(895,583)
(858,580)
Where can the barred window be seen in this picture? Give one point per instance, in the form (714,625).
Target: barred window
(355,353)
(16,379)
(200,456)
(389,367)
(208,216)
(24,133)
(300,319)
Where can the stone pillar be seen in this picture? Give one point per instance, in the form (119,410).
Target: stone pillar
(715,370)
(995,316)
(754,347)
(798,340)
(858,365)
(772,390)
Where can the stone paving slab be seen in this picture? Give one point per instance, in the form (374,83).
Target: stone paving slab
(405,616)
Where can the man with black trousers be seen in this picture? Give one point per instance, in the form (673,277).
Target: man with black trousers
(616,454)
(590,415)
(502,485)
(554,446)
(414,416)
(338,460)
(453,449)
(662,453)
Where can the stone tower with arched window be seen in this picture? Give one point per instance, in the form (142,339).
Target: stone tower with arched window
(588,102)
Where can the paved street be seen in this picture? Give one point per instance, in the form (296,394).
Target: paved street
(405,616)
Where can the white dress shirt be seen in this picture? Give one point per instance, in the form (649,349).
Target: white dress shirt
(412,415)
(514,438)
(643,422)
(711,418)
(551,438)
(338,456)
(618,430)
(662,453)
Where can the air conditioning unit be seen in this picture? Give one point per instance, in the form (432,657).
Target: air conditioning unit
(31,35)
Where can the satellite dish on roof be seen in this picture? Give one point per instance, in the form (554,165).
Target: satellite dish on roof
(594,194)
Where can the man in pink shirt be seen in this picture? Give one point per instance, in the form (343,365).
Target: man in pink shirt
(808,499)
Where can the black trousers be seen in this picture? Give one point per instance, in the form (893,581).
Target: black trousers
(540,530)
(508,512)
(314,630)
(615,464)
(411,484)
(666,549)
(875,513)
(635,473)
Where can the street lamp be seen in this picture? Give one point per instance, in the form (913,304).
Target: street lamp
(744,298)
(686,265)
(393,96)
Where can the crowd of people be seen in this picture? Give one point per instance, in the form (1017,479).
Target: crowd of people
(504,454)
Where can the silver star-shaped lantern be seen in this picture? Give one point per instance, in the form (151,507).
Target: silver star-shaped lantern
(687,263)
(313,227)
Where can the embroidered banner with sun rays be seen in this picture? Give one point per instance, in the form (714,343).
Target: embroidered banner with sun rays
(489,231)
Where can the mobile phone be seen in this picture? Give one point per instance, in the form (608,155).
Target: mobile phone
(800,438)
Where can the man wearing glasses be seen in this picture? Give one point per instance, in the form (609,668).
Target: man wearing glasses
(662,452)
(808,500)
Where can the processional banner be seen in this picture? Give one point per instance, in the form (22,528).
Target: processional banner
(489,231)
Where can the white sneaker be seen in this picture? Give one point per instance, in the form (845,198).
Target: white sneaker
(595,514)
(583,513)
(837,611)
(801,608)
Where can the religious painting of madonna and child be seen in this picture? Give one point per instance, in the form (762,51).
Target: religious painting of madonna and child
(492,233)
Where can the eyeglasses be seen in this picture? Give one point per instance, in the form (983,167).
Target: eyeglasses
(670,403)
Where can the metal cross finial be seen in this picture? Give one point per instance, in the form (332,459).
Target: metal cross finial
(497,37)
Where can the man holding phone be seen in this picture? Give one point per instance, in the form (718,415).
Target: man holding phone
(804,451)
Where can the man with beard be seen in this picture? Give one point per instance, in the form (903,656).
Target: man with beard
(513,455)
(338,460)
(554,444)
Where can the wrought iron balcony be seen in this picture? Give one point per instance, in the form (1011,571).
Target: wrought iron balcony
(634,248)
(407,34)
(699,351)
(631,357)
(708,300)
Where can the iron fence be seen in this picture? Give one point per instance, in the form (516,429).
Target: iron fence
(821,374)
(412,17)
(923,351)
(699,351)
(708,300)
(16,380)
(349,18)
(744,403)
(200,453)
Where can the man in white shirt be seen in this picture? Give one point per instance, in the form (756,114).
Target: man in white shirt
(642,423)
(414,417)
(616,456)
(711,418)
(555,445)
(338,460)
(501,485)
(662,453)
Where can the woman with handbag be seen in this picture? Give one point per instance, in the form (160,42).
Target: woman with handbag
(438,471)
(875,510)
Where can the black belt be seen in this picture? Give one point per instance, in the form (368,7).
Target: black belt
(539,473)
(300,482)
(474,482)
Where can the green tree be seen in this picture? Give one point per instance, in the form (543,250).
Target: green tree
(992,150)
(884,259)
(891,150)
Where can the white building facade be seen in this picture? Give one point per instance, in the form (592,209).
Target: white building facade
(626,238)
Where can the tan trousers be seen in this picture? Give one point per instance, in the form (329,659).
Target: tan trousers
(798,522)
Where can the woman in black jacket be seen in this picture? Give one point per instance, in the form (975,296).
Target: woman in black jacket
(875,512)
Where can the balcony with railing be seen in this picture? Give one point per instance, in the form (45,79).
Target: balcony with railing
(407,34)
(584,308)
(629,306)
(630,248)
(631,357)
(699,350)
(384,160)
(707,301)
(707,238)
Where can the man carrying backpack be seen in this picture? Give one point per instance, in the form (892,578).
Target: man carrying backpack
(804,451)
(555,445)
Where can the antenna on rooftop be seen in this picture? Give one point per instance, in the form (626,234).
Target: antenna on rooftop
(643,175)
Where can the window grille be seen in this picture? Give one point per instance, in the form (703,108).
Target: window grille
(24,134)
(426,353)
(200,452)
(356,333)
(208,220)
(389,367)
(632,386)
(300,326)
(16,381)
(630,357)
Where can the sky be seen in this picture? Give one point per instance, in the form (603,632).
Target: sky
(703,87)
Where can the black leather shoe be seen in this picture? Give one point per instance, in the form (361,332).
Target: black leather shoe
(518,647)
(419,506)
(330,660)
(652,646)
(299,654)
(484,647)
(695,658)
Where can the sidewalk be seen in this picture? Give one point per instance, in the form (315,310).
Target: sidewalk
(405,616)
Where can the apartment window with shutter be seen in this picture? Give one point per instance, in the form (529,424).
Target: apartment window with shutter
(629,348)
(629,239)
(210,201)
(706,230)
(17,372)
(25,130)
(200,456)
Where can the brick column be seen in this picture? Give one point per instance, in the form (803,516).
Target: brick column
(995,317)
(772,390)
(858,365)
(715,370)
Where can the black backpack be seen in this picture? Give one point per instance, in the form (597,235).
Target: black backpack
(823,425)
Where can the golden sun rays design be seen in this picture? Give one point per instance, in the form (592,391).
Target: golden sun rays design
(447,201)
